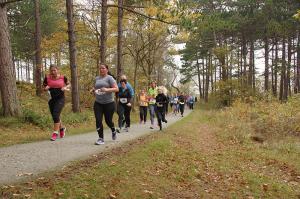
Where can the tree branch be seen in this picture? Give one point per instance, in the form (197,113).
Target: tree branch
(143,15)
(4,2)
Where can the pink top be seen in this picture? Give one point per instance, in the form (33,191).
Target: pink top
(56,83)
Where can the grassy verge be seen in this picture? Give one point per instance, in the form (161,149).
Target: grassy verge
(194,158)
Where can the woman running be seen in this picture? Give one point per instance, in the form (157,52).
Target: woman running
(181,102)
(105,86)
(124,105)
(56,85)
(161,101)
(143,101)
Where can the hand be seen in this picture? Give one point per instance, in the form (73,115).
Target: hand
(104,89)
(65,88)
(46,88)
(128,104)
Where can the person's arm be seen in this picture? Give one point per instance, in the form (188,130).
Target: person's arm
(67,85)
(45,84)
(129,87)
(114,88)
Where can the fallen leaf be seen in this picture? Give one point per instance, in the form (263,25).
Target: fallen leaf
(265,187)
(146,191)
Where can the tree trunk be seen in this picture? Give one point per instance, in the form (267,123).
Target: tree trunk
(250,74)
(8,87)
(298,64)
(276,68)
(288,69)
(120,39)
(103,37)
(199,78)
(266,64)
(72,52)
(208,68)
(282,91)
(38,56)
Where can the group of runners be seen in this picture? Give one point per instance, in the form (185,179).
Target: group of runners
(155,99)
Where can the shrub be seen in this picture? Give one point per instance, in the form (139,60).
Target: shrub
(36,119)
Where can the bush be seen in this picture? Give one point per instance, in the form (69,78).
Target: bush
(41,121)
(264,119)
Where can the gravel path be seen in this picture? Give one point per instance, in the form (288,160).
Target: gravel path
(20,161)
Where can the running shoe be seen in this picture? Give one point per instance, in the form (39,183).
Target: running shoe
(62,132)
(53,137)
(126,129)
(114,135)
(99,141)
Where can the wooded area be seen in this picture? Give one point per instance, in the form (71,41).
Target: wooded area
(223,41)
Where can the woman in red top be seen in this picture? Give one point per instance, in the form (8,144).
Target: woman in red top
(56,84)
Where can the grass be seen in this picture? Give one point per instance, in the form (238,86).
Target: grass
(191,159)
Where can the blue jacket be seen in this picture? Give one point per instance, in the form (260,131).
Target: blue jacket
(129,87)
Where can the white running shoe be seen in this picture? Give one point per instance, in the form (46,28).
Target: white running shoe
(99,141)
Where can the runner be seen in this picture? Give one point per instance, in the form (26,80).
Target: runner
(143,101)
(181,103)
(175,105)
(152,92)
(105,86)
(56,85)
(129,87)
(124,104)
(161,101)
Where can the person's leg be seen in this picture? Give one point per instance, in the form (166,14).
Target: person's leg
(159,117)
(56,108)
(145,113)
(152,112)
(127,110)
(98,111)
(141,114)
(120,114)
(181,107)
(109,110)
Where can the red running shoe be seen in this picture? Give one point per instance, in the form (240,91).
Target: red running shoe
(62,132)
(54,136)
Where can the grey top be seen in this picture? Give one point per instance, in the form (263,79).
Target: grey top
(104,82)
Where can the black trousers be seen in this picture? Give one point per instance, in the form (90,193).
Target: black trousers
(56,106)
(143,113)
(160,113)
(108,111)
(181,108)
(124,111)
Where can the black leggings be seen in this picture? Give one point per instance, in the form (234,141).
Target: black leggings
(56,106)
(108,111)
(143,113)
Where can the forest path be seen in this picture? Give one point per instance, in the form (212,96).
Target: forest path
(19,162)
